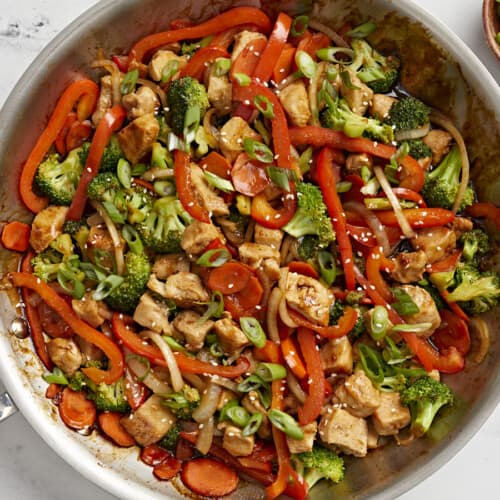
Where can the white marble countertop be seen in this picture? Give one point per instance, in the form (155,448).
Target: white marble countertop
(29,469)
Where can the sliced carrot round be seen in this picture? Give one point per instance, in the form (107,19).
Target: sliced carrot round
(76,410)
(153,455)
(248,176)
(251,294)
(229,278)
(16,235)
(111,426)
(168,469)
(208,477)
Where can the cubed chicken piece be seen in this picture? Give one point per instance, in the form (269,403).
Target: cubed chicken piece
(428,312)
(254,254)
(381,105)
(168,264)
(308,297)
(373,438)
(92,311)
(197,236)
(105,100)
(90,352)
(336,356)
(100,239)
(436,242)
(346,432)
(265,236)
(461,225)
(271,268)
(252,403)
(233,231)
(230,336)
(295,102)
(242,39)
(307,442)
(160,59)
(205,194)
(391,415)
(355,162)
(220,92)
(152,314)
(439,141)
(186,290)
(65,354)
(358,395)
(188,323)
(231,137)
(141,102)
(138,137)
(409,266)
(359,96)
(150,422)
(47,226)
(237,444)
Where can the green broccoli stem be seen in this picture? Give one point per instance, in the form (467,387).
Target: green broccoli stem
(448,171)
(425,413)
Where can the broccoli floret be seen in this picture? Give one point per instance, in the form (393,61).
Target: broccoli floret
(125,297)
(379,72)
(311,217)
(183,94)
(59,180)
(475,291)
(162,229)
(139,204)
(104,187)
(320,463)
(441,185)
(337,310)
(111,156)
(78,382)
(418,149)
(425,397)
(182,403)
(309,246)
(475,244)
(189,48)
(161,157)
(408,113)
(79,231)
(46,264)
(109,397)
(338,116)
(170,439)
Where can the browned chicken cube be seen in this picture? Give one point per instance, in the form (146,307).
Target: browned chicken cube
(254,254)
(92,311)
(270,237)
(152,314)
(205,194)
(219,91)
(439,141)
(165,265)
(186,290)
(336,356)
(307,442)
(105,100)
(409,266)
(391,415)
(160,59)
(242,39)
(237,444)
(381,105)
(358,95)
(138,137)
(436,242)
(141,102)
(197,236)
(295,102)
(232,135)
(65,354)
(47,226)
(188,323)
(231,338)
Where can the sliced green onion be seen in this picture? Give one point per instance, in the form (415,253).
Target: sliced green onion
(164,188)
(262,130)
(169,70)
(379,322)
(305,160)
(343,187)
(371,187)
(391,172)
(129,81)
(91,272)
(124,173)
(144,361)
(56,377)
(191,123)
(222,66)
(258,151)
(252,425)
(70,281)
(404,304)
(216,350)
(265,396)
(264,105)
(270,371)
(329,54)
(175,142)
(253,331)
(215,307)
(285,423)
(414,328)
(332,73)
(393,355)
(214,258)
(131,236)
(139,169)
(101,257)
(238,415)
(366,173)
(402,152)
(299,25)
(371,363)
(346,78)
(281,177)
(174,345)
(223,413)
(327,268)
(242,79)
(218,182)
(105,287)
(113,212)
(305,63)
(385,204)
(251,383)
(363,30)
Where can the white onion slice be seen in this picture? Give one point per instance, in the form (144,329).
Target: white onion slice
(150,380)
(205,436)
(156,89)
(414,133)
(272,315)
(157,173)
(208,403)
(480,329)
(111,66)
(294,386)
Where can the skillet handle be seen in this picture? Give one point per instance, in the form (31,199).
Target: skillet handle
(7,407)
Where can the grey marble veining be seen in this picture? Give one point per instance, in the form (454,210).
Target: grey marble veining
(28,467)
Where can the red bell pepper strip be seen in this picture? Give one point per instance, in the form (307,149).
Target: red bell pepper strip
(185,189)
(201,59)
(225,38)
(181,23)
(186,364)
(229,19)
(311,43)
(319,137)
(121,61)
(454,306)
(110,122)
(299,267)
(375,262)
(33,317)
(487,210)
(291,355)
(272,218)
(216,164)
(315,400)
(444,265)
(60,142)
(135,392)
(365,237)
(247,60)
(16,236)
(79,90)
(345,323)
(145,184)
(78,133)
(283,66)
(446,361)
(84,330)
(410,195)
(327,184)
(452,331)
